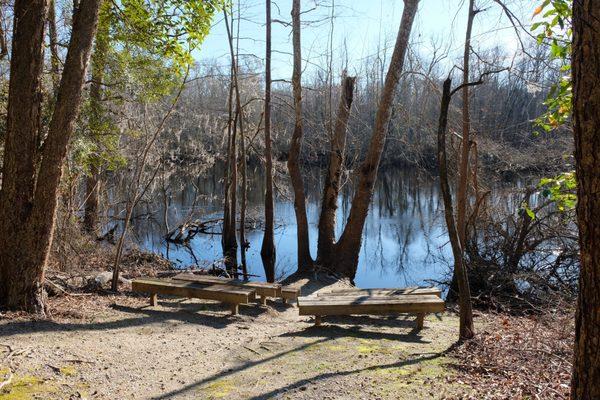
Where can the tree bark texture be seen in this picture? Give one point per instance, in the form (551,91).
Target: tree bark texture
(586,116)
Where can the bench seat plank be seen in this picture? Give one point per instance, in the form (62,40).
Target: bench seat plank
(224,293)
(263,289)
(383,291)
(380,305)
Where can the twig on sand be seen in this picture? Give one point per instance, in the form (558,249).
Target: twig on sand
(8,347)
(78,361)
(252,350)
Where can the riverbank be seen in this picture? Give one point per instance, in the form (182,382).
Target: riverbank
(101,345)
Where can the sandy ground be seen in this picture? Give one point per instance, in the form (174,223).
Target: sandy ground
(117,347)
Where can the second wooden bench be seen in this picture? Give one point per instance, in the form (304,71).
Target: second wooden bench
(229,294)
(365,304)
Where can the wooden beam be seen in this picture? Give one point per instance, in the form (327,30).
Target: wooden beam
(420,321)
(261,288)
(383,291)
(153,299)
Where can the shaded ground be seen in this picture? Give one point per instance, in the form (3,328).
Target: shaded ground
(116,347)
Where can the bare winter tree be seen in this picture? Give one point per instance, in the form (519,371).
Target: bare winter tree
(333,178)
(305,260)
(348,247)
(267,251)
(229,239)
(466,327)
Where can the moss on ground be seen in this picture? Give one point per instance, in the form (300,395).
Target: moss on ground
(218,389)
(25,387)
(68,370)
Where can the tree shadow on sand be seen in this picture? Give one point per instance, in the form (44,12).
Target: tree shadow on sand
(209,314)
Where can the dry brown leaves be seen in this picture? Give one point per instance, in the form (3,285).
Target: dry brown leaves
(518,358)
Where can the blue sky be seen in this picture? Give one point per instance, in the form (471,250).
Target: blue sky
(362,26)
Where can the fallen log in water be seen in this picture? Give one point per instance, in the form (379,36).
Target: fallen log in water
(189,229)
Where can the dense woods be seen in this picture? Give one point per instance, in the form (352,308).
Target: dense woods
(455,171)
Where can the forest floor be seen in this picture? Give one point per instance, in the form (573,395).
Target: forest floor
(103,345)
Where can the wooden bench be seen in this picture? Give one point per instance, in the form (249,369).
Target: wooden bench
(361,304)
(384,292)
(263,289)
(229,294)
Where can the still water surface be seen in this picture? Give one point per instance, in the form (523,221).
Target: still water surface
(404,241)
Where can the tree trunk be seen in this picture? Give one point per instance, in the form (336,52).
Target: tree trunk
(27,210)
(327,220)
(20,278)
(305,261)
(96,125)
(229,240)
(586,116)
(348,247)
(92,197)
(240,120)
(465,148)
(267,251)
(466,327)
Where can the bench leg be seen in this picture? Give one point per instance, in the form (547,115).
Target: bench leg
(153,299)
(318,320)
(234,309)
(263,300)
(284,300)
(420,321)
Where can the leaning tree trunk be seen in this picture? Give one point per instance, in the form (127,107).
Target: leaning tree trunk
(465,147)
(586,115)
(327,220)
(466,328)
(27,210)
(305,261)
(267,251)
(348,247)
(465,150)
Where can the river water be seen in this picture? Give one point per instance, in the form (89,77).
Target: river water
(404,240)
